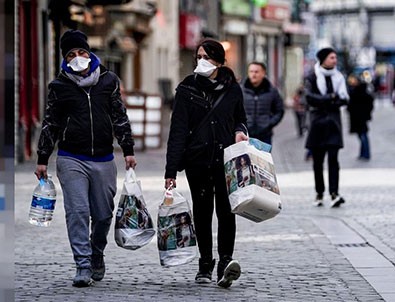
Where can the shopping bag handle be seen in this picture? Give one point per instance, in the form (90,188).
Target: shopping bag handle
(172,190)
(130,175)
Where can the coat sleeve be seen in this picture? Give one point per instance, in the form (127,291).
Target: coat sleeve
(277,109)
(313,98)
(120,122)
(177,135)
(50,129)
(240,115)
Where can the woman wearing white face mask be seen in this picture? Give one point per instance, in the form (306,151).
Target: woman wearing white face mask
(208,115)
(84,112)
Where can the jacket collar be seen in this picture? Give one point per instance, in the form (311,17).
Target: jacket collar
(264,86)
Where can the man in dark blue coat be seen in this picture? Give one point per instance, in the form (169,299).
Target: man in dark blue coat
(262,102)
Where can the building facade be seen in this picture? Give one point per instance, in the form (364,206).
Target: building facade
(359,30)
(150,44)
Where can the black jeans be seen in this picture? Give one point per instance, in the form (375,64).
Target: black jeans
(205,183)
(333,167)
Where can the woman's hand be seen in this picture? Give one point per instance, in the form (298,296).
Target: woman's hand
(170,182)
(240,136)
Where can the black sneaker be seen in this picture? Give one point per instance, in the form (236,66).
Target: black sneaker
(83,277)
(205,271)
(98,267)
(228,270)
(337,200)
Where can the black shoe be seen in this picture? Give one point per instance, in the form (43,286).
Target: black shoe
(83,277)
(98,267)
(337,200)
(205,270)
(228,270)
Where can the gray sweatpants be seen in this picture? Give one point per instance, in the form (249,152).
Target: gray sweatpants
(88,191)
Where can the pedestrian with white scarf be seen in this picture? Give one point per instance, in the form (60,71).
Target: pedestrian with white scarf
(326,92)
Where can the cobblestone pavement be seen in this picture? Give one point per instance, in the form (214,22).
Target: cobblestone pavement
(287,258)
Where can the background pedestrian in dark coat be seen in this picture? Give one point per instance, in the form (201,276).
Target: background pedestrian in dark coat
(326,92)
(263,103)
(299,108)
(360,111)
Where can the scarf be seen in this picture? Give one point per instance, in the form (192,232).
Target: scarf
(223,80)
(90,79)
(338,81)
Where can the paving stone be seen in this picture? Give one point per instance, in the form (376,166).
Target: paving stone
(287,258)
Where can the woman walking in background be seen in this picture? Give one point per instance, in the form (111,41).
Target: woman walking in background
(360,110)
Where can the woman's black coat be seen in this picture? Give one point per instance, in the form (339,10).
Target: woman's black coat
(185,149)
(359,108)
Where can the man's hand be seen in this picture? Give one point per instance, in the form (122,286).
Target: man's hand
(240,136)
(41,172)
(170,181)
(130,162)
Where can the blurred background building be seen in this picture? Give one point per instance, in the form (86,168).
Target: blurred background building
(359,29)
(150,44)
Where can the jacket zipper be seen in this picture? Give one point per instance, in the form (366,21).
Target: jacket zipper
(255,110)
(65,129)
(88,94)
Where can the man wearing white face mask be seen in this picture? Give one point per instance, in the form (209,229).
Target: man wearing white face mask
(208,116)
(84,112)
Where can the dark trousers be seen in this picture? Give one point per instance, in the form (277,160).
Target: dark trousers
(204,185)
(333,167)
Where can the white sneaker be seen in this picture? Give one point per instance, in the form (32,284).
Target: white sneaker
(319,201)
(337,200)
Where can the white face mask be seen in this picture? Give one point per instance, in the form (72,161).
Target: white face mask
(79,63)
(205,68)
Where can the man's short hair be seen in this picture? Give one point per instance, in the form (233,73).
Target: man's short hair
(258,63)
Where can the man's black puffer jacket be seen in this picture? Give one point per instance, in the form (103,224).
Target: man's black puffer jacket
(264,108)
(206,148)
(85,120)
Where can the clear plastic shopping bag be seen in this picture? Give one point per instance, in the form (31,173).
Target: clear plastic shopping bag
(133,225)
(251,181)
(176,232)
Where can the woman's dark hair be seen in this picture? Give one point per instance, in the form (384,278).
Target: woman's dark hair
(214,50)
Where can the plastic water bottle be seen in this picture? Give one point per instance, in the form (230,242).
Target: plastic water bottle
(43,203)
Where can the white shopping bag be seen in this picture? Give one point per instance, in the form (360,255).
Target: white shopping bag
(133,225)
(251,182)
(176,233)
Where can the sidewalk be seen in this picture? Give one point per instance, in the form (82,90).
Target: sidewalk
(303,254)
